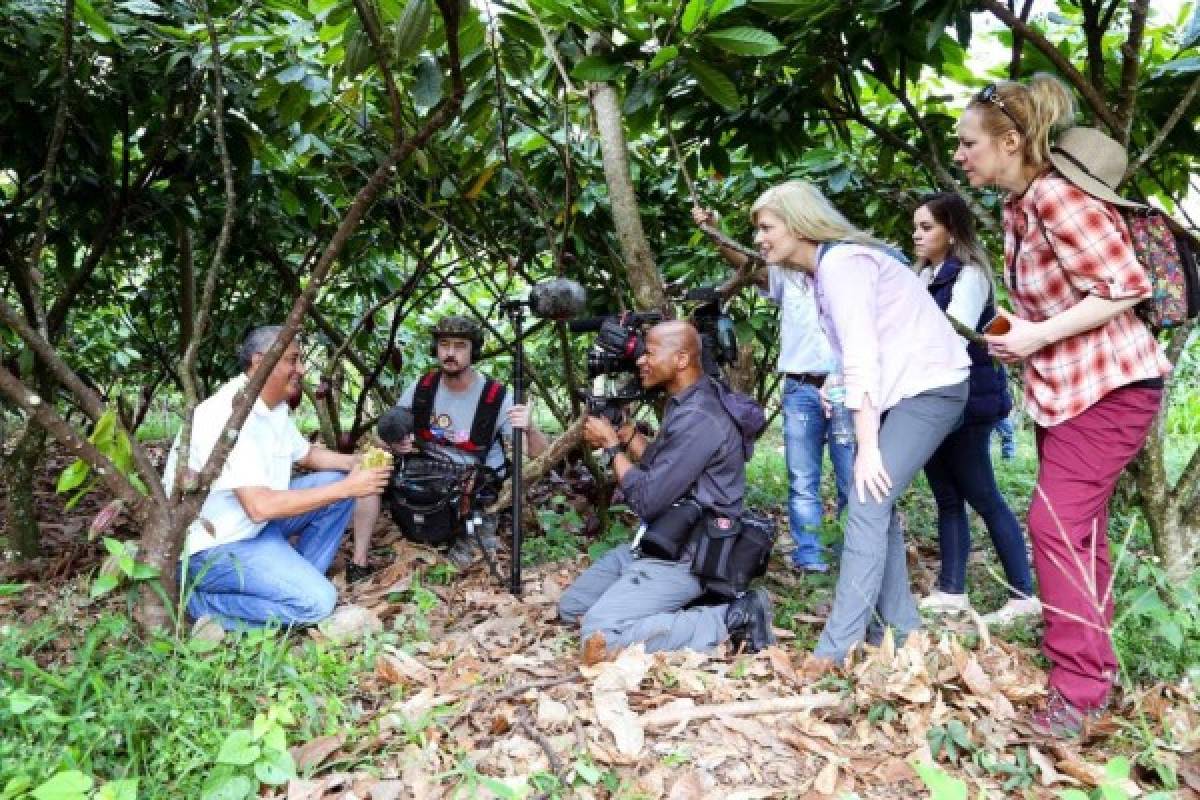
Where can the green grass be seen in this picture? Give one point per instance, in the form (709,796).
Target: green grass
(113,706)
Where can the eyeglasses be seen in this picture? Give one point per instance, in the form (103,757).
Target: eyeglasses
(988,94)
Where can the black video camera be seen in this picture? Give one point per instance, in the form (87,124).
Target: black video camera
(718,339)
(612,361)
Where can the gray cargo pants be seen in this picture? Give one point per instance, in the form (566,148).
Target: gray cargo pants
(631,599)
(872,587)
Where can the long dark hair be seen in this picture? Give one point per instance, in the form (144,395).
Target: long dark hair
(949,210)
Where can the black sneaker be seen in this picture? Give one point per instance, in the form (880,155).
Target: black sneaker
(748,621)
(357,572)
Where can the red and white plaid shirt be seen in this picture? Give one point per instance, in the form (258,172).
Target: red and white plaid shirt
(1060,245)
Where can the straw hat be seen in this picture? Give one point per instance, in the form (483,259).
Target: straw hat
(1092,161)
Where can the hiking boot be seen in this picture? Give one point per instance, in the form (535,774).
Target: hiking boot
(1014,609)
(1061,720)
(939,602)
(357,572)
(748,620)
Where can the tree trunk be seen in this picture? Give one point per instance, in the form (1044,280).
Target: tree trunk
(644,278)
(1176,543)
(155,612)
(22,530)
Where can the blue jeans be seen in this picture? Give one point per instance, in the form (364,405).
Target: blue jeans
(960,472)
(252,581)
(1008,444)
(805,432)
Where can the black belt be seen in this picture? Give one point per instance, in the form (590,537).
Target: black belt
(811,378)
(1147,383)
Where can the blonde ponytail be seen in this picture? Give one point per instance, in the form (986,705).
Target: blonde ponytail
(1037,111)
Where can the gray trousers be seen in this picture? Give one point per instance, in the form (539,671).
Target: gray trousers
(872,587)
(632,600)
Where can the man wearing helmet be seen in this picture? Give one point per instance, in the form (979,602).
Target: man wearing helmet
(461,414)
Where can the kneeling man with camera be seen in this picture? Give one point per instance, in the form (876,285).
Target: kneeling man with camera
(687,487)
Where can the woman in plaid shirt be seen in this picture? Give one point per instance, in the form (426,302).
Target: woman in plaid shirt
(1093,373)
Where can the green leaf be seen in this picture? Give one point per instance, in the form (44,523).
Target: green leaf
(693,12)
(239,749)
(12,589)
(715,84)
(663,57)
(229,787)
(275,767)
(587,772)
(1179,66)
(744,41)
(70,785)
(293,74)
(20,701)
(73,476)
(106,429)
(118,790)
(99,25)
(596,69)
(104,584)
(941,785)
(115,547)
(427,90)
(411,29)
(720,7)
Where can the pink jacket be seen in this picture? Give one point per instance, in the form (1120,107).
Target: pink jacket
(890,336)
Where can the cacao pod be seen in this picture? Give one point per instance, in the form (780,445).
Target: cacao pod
(294,396)
(322,390)
(345,443)
(357,45)
(410,30)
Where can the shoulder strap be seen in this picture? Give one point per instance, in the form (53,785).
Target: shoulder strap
(487,414)
(423,397)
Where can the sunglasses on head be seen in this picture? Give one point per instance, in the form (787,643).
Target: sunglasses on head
(989,94)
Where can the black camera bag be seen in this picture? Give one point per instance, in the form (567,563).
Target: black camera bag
(671,530)
(730,553)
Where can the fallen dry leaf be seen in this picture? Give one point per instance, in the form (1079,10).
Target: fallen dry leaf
(311,754)
(687,786)
(827,779)
(394,666)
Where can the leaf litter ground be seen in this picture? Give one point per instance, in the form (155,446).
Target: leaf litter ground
(488,696)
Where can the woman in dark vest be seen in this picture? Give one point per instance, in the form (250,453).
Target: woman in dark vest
(954,266)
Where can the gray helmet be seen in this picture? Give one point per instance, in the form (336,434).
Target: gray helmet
(460,327)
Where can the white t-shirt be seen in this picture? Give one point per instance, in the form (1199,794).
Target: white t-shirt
(267,447)
(969,295)
(803,345)
(453,413)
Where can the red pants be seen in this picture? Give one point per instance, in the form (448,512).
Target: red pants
(1079,463)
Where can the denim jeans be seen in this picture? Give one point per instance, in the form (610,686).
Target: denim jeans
(805,432)
(1007,434)
(960,472)
(252,581)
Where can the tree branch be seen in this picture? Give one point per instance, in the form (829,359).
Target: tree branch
(44,197)
(1131,51)
(1163,132)
(187,372)
(1064,66)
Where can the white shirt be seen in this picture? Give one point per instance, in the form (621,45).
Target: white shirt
(267,447)
(803,345)
(969,295)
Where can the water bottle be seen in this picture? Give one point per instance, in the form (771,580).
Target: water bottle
(841,426)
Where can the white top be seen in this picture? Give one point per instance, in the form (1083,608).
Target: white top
(969,295)
(803,345)
(267,447)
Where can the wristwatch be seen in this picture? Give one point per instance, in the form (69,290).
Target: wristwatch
(614,451)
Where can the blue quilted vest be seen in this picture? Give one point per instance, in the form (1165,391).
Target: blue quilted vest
(989,400)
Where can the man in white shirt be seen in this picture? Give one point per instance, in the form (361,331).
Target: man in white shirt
(263,541)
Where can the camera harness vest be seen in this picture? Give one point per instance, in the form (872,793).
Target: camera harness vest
(483,426)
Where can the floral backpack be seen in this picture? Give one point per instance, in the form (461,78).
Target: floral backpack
(1169,254)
